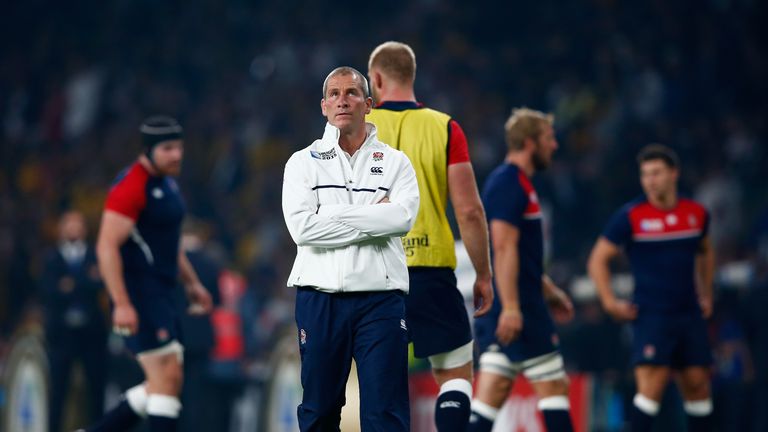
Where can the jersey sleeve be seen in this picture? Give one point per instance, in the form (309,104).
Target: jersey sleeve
(127,196)
(619,228)
(458,151)
(505,203)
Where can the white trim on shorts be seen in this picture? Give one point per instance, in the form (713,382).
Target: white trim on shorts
(452,359)
(172,347)
(547,367)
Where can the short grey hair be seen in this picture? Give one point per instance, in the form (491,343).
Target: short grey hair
(348,70)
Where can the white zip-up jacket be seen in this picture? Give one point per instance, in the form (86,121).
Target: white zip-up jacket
(346,241)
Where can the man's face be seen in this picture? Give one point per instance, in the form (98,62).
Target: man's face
(72,227)
(167,157)
(546,144)
(657,178)
(345,104)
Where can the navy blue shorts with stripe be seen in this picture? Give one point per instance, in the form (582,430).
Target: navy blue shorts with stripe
(158,307)
(537,338)
(677,340)
(436,315)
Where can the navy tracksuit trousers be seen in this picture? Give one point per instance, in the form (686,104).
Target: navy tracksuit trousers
(335,328)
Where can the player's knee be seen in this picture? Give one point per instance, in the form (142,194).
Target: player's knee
(453,364)
(172,377)
(651,387)
(562,385)
(695,390)
(176,378)
(547,374)
(651,392)
(497,392)
(444,375)
(500,388)
(555,387)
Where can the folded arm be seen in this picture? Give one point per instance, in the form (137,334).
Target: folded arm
(388,219)
(300,206)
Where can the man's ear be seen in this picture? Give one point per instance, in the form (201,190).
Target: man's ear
(529,142)
(676,173)
(322,106)
(376,79)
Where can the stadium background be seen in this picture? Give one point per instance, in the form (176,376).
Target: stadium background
(244,78)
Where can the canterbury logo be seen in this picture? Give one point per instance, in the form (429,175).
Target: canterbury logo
(450,404)
(377,170)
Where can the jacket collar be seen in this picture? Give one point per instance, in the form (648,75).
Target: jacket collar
(331,136)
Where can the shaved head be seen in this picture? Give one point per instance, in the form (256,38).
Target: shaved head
(396,60)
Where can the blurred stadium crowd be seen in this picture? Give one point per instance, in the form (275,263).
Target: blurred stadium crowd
(244,78)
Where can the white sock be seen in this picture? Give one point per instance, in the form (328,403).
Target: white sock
(699,408)
(160,405)
(484,410)
(554,403)
(646,405)
(457,384)
(137,399)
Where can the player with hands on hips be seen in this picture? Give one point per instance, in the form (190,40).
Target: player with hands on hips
(665,238)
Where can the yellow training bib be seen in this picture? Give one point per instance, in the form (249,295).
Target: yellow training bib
(422,134)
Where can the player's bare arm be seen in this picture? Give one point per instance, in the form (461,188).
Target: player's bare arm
(473,227)
(115,230)
(557,299)
(506,261)
(599,267)
(199,297)
(705,271)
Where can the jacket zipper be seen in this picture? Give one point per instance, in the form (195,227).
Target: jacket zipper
(347,174)
(346,171)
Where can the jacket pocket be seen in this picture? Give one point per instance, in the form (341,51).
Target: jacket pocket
(365,269)
(394,260)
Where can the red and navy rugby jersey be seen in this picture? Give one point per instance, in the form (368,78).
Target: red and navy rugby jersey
(662,246)
(157,208)
(509,196)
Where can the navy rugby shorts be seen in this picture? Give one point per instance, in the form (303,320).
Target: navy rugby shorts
(157,305)
(435,312)
(677,340)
